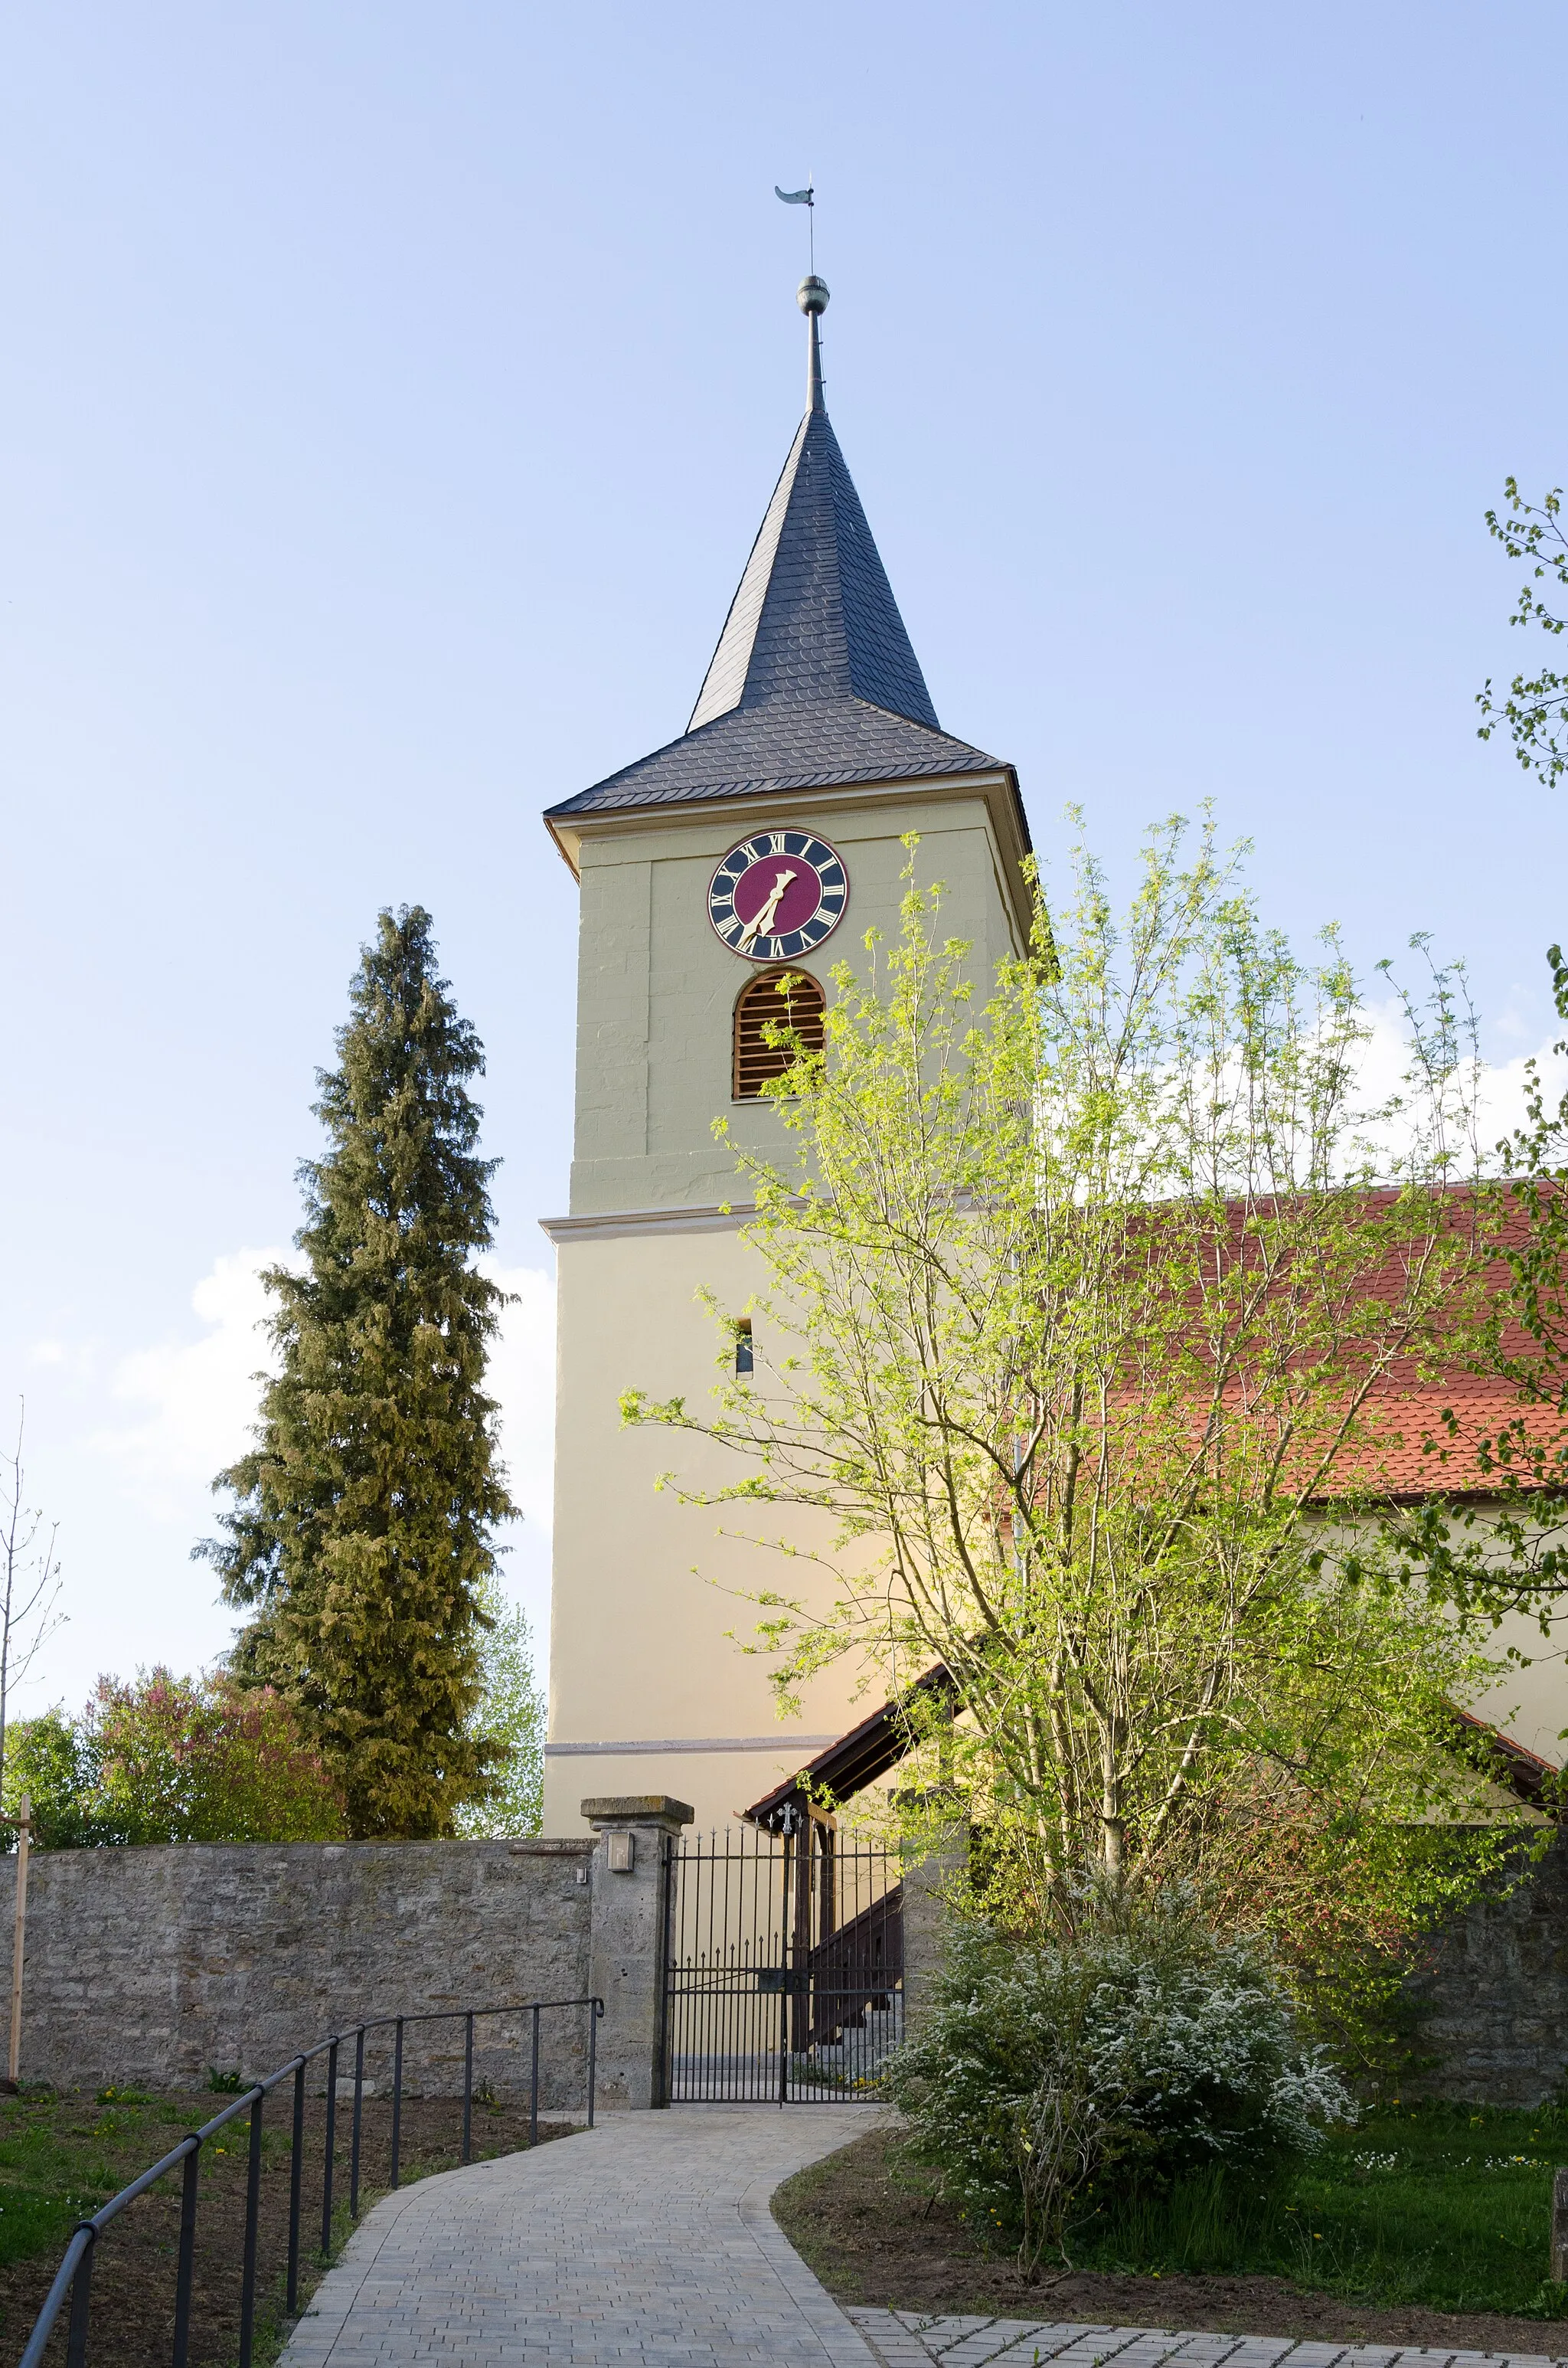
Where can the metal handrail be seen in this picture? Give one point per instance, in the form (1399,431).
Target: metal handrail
(74,2275)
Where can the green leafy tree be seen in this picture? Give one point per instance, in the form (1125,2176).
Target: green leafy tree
(510,1719)
(166,1759)
(365,1516)
(1080,1307)
(54,1761)
(1534,711)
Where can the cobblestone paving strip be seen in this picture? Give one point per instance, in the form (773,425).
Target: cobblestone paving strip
(904,2339)
(644,2243)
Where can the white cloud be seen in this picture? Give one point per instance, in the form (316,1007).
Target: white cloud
(1502,1090)
(198,1397)
(522,1378)
(1499,1086)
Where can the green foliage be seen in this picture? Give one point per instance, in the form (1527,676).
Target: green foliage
(1535,711)
(53,1760)
(171,1759)
(1083,1301)
(510,1721)
(1351,1910)
(1137,2051)
(183,1760)
(365,1517)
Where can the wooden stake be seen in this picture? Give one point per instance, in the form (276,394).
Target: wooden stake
(24,1834)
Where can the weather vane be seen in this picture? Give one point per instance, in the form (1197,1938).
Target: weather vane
(807,198)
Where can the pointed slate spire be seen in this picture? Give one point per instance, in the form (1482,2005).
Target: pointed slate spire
(814,618)
(813,681)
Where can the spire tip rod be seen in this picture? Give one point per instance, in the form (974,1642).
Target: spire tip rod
(812,298)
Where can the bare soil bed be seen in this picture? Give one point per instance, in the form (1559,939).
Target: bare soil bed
(133,2278)
(875,2232)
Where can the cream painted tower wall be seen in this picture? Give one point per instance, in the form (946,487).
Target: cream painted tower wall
(650,1691)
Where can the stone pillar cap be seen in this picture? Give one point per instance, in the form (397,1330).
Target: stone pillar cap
(638,1809)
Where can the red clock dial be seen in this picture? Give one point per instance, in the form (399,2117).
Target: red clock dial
(777,894)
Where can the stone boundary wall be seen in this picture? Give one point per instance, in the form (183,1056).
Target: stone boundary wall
(1495,1998)
(152,1967)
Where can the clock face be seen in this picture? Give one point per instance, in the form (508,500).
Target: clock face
(777,894)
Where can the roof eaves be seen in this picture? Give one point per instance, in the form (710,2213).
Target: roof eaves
(857,1759)
(761,784)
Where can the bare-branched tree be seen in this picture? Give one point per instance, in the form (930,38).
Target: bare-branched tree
(30,1578)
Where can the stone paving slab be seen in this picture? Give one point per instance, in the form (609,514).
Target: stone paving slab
(904,2339)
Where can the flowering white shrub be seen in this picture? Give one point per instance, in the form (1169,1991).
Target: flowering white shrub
(1142,2047)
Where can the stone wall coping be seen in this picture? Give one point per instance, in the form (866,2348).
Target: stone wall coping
(515,1846)
(638,1809)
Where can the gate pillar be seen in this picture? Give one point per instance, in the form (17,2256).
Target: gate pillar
(631,1896)
(933,1866)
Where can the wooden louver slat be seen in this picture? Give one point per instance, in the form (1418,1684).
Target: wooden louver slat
(760,1002)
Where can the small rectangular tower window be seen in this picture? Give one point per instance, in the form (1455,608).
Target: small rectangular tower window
(742,1344)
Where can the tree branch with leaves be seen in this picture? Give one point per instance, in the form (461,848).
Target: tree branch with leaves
(1534,709)
(1496,1540)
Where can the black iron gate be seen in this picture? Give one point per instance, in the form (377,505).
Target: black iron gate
(785,1978)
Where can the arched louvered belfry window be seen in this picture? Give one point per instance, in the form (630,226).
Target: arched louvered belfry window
(760,1002)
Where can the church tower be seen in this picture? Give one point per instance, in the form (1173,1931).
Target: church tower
(766,837)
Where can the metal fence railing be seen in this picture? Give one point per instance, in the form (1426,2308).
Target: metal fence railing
(73,2279)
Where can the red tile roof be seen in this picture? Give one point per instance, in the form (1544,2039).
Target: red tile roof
(1404,1446)
(1428,1427)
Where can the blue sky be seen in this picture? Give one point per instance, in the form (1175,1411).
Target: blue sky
(392,395)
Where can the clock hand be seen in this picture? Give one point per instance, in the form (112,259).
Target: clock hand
(762,926)
(765,918)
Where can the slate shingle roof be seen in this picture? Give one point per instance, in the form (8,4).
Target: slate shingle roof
(782,744)
(814,680)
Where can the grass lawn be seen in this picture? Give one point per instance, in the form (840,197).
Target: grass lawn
(61,2157)
(1448,2205)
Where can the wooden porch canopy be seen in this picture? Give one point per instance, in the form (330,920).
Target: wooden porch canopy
(857,1759)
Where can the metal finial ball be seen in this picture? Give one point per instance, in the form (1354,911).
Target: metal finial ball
(812,295)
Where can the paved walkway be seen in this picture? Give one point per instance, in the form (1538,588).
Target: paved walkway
(903,2338)
(644,2243)
(648,2243)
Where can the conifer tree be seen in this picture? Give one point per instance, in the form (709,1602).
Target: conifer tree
(363,1531)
